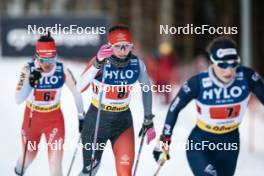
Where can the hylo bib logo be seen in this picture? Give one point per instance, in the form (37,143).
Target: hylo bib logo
(49,80)
(217,93)
(119,74)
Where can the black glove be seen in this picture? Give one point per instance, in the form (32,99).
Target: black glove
(161,150)
(147,124)
(34,76)
(81,125)
(99,64)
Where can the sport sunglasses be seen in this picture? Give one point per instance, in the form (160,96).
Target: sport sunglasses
(226,64)
(49,60)
(122,46)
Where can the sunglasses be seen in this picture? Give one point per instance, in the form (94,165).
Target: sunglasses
(50,60)
(226,64)
(122,46)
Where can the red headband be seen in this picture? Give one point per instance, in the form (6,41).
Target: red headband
(46,49)
(119,35)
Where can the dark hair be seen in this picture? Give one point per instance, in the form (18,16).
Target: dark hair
(219,41)
(117,27)
(46,38)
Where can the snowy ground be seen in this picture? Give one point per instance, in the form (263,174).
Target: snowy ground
(250,163)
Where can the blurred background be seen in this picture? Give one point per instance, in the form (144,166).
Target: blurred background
(144,19)
(170,59)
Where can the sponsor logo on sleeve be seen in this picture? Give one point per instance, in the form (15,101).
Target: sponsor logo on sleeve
(185,87)
(174,104)
(167,129)
(21,81)
(255,77)
(207,82)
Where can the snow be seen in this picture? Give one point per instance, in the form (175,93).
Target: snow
(249,163)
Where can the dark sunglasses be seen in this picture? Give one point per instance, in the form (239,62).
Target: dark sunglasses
(225,65)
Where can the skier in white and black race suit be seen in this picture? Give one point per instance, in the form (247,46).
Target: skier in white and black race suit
(122,71)
(221,94)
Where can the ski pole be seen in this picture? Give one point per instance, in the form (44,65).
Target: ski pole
(28,128)
(165,158)
(98,119)
(74,155)
(158,169)
(139,152)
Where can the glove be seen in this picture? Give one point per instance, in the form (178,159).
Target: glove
(161,150)
(104,52)
(34,76)
(148,128)
(81,120)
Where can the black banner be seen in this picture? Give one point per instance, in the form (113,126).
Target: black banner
(76,37)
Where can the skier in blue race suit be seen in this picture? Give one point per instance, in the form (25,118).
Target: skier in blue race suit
(221,94)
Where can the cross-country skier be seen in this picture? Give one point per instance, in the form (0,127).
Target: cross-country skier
(48,76)
(221,96)
(123,69)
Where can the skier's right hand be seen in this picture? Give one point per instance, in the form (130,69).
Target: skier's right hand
(104,52)
(161,150)
(34,76)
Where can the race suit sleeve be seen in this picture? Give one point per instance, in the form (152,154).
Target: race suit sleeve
(146,94)
(87,76)
(255,83)
(189,90)
(71,84)
(23,88)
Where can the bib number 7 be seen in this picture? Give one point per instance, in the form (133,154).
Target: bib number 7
(225,112)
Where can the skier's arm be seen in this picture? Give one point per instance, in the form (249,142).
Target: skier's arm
(146,95)
(147,126)
(188,91)
(71,84)
(87,76)
(255,83)
(23,87)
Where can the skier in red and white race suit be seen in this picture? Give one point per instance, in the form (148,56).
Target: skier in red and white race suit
(49,75)
(121,72)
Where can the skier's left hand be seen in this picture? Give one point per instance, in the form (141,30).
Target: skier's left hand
(148,128)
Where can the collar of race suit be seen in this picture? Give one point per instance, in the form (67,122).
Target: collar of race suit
(119,62)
